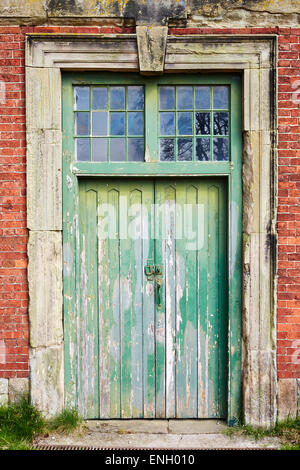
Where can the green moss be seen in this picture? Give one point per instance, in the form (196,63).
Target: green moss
(287,431)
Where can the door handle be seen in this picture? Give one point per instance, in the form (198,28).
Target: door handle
(149,271)
(155,273)
(159,281)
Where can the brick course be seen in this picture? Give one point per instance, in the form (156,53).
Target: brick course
(13,233)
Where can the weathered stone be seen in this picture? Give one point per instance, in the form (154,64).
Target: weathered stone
(3,386)
(69,52)
(259,391)
(47,379)
(3,399)
(17,388)
(44,180)
(298,397)
(152,41)
(287,399)
(211,53)
(143,11)
(34,9)
(43,108)
(45,288)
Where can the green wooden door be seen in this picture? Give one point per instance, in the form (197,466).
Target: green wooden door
(152,343)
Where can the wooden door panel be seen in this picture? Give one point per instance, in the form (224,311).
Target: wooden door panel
(134,358)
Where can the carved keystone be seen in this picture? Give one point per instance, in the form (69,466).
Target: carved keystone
(152,43)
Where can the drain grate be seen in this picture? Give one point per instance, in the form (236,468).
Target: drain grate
(108,449)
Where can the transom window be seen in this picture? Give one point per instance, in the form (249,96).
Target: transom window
(170,123)
(193,123)
(109,123)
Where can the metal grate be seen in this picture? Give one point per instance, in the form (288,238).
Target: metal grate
(78,447)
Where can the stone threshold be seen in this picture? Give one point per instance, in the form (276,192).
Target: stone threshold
(158,426)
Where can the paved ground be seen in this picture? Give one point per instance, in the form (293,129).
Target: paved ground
(162,434)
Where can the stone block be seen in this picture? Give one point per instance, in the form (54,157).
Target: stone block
(17,388)
(45,288)
(287,399)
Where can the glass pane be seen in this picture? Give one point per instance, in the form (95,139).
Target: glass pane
(185,123)
(202,123)
(117,97)
(136,150)
(167,123)
(167,97)
(99,123)
(185,97)
(82,150)
(221,123)
(135,98)
(82,123)
(220,94)
(202,97)
(82,98)
(185,149)
(99,98)
(117,123)
(99,150)
(117,150)
(135,123)
(202,149)
(167,150)
(221,149)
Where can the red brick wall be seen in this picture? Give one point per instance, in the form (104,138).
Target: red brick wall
(13,261)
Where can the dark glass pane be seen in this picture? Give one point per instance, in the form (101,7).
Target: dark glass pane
(117,150)
(202,123)
(167,123)
(185,123)
(82,98)
(99,150)
(185,97)
(135,98)
(82,150)
(221,148)
(99,123)
(167,97)
(221,123)
(117,97)
(136,150)
(166,151)
(185,149)
(202,97)
(99,98)
(220,94)
(117,123)
(135,123)
(202,149)
(82,123)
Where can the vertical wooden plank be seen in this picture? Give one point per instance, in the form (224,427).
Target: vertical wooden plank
(148,305)
(135,233)
(109,300)
(131,303)
(213,299)
(203,310)
(169,266)
(88,322)
(182,388)
(70,234)
(160,326)
(223,300)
